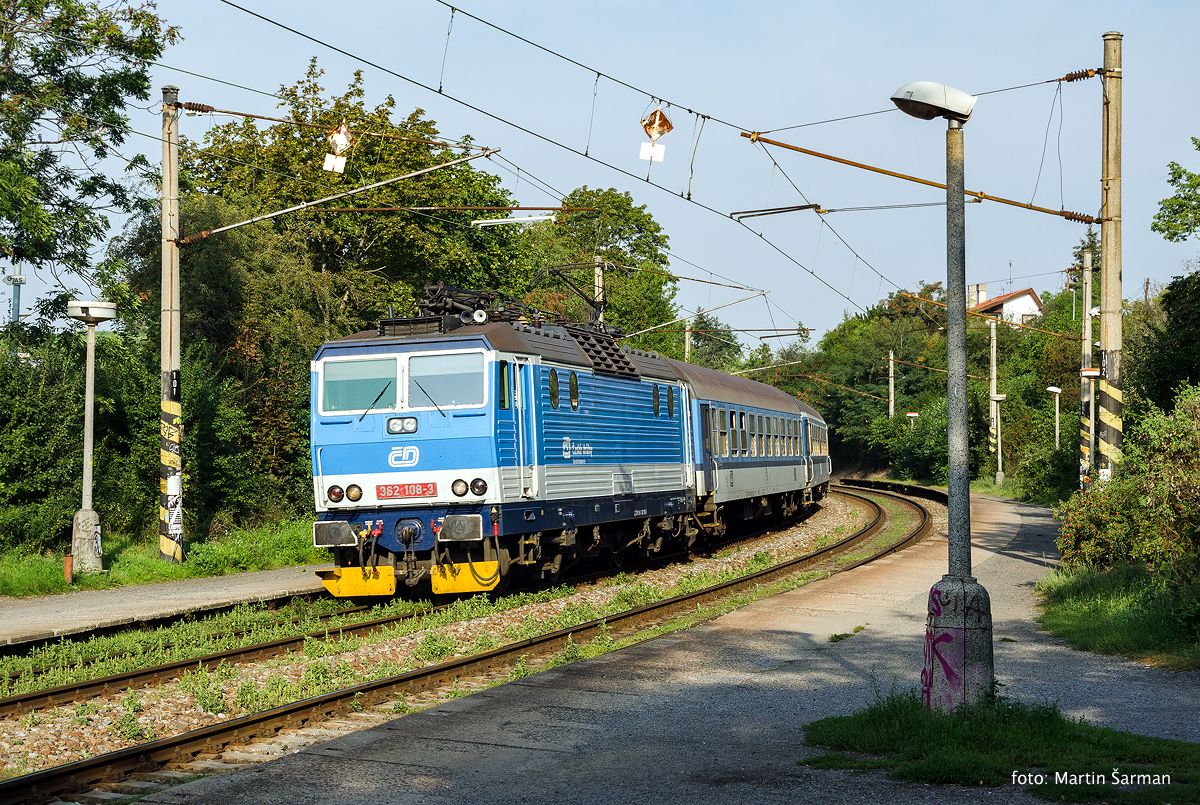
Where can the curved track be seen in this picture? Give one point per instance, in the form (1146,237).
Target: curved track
(187,746)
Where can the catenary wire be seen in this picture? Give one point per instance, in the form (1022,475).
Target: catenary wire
(537,135)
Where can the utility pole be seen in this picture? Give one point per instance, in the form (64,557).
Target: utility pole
(891,384)
(1087,433)
(170,470)
(687,342)
(598,290)
(1110,398)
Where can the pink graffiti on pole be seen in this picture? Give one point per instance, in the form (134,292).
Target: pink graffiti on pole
(940,645)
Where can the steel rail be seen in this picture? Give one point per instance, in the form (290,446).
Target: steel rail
(187,746)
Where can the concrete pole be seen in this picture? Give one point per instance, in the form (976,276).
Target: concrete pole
(956,335)
(993,406)
(16,280)
(891,384)
(958,666)
(687,342)
(1110,399)
(170,500)
(1056,442)
(86,524)
(1087,433)
(999,448)
(598,291)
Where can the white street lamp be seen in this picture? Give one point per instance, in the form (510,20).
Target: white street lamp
(959,622)
(1056,391)
(912,419)
(85,528)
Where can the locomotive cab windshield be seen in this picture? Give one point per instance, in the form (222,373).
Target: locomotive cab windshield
(427,381)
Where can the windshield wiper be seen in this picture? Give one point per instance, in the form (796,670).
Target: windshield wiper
(378,397)
(428,395)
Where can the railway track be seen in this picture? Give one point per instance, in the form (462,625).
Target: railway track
(189,747)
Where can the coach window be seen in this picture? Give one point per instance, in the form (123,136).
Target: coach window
(753,439)
(657,400)
(742,433)
(553,388)
(671,401)
(573,390)
(733,434)
(775,435)
(761,439)
(791,445)
(724,431)
(505,394)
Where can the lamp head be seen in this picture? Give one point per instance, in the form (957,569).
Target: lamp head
(929,99)
(1054,389)
(91,311)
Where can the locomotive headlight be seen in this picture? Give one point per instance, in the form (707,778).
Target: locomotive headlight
(459,487)
(354,492)
(479,487)
(335,494)
(406,424)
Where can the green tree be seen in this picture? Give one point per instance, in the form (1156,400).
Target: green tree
(714,344)
(1178,216)
(639,291)
(69,69)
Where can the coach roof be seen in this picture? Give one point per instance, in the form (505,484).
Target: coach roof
(708,384)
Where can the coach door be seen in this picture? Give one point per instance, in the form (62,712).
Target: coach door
(525,410)
(707,447)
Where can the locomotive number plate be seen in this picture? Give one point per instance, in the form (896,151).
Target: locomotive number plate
(391,491)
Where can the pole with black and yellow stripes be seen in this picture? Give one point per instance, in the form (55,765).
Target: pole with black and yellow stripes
(1109,399)
(1087,385)
(170,476)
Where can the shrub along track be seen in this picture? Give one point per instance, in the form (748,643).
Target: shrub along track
(494,664)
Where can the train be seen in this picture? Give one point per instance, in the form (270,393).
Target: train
(483,441)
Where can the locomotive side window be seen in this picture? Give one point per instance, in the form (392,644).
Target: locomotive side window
(505,392)
(553,388)
(439,381)
(355,385)
(753,440)
(656,399)
(671,401)
(573,390)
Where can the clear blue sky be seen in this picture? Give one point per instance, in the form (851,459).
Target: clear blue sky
(763,66)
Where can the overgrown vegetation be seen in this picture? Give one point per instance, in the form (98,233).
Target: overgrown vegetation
(1118,611)
(134,561)
(1006,743)
(1148,514)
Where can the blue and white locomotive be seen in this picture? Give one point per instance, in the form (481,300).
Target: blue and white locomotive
(470,445)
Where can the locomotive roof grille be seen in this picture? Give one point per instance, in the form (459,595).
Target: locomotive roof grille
(421,325)
(604,353)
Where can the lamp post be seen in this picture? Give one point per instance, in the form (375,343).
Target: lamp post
(85,528)
(1056,391)
(958,664)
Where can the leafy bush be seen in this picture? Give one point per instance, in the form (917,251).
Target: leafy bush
(1150,511)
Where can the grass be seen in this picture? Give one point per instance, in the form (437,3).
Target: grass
(136,561)
(1005,743)
(1117,611)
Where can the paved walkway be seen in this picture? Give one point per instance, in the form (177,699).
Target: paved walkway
(715,714)
(28,619)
